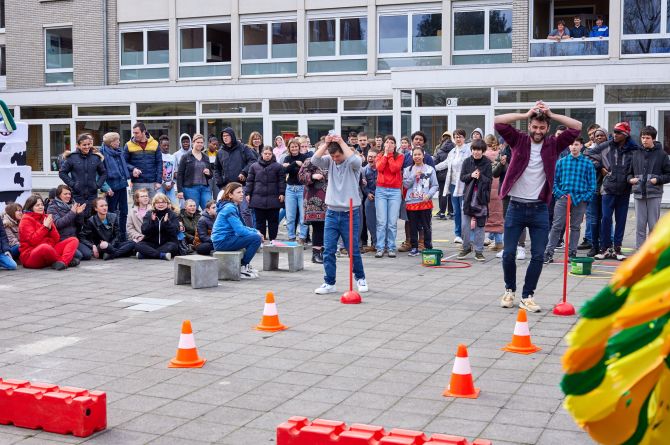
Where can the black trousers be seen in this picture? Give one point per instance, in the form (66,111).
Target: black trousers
(267,219)
(153,251)
(364,227)
(420,220)
(317,233)
(445,203)
(119,249)
(204,248)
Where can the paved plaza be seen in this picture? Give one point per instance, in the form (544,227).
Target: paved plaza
(113,326)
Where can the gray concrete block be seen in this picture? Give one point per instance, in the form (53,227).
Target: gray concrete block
(229,264)
(295,254)
(197,270)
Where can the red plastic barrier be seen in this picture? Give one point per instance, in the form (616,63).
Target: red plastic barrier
(300,431)
(62,410)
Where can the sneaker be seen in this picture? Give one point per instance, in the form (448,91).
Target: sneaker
(450,216)
(362,285)
(301,241)
(168,256)
(529,304)
(379,254)
(601,255)
(392,254)
(404,247)
(507,300)
(440,215)
(413,252)
(499,254)
(246,273)
(592,253)
(342,253)
(520,253)
(561,244)
(139,256)
(479,256)
(443,217)
(253,271)
(585,245)
(487,241)
(325,289)
(458,240)
(548,259)
(58,265)
(464,253)
(618,255)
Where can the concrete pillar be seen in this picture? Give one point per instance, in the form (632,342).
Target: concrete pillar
(301,37)
(614,23)
(174,42)
(235,37)
(447,27)
(372,38)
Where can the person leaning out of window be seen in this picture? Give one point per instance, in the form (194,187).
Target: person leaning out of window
(560,33)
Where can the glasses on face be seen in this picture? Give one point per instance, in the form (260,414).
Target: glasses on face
(617,132)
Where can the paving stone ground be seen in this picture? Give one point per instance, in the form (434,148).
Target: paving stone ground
(386,361)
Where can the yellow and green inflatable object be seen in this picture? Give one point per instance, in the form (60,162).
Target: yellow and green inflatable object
(617,366)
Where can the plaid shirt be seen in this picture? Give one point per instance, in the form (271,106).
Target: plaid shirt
(576,177)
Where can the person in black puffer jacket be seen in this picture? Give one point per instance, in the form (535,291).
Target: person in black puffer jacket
(266,186)
(69,218)
(160,228)
(83,171)
(441,153)
(102,234)
(205,225)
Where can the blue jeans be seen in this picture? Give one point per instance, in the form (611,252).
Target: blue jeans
(15,251)
(616,205)
(7,262)
(118,203)
(293,204)
(387,208)
(535,216)
(457,202)
(250,242)
(200,194)
(596,210)
(337,224)
(172,195)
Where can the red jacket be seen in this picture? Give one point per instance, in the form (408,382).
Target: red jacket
(389,171)
(32,233)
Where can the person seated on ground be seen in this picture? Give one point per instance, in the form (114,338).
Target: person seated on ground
(69,217)
(205,225)
(6,260)
(229,232)
(160,228)
(600,30)
(560,33)
(40,243)
(578,31)
(10,221)
(102,234)
(189,217)
(136,216)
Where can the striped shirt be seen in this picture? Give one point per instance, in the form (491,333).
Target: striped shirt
(575,176)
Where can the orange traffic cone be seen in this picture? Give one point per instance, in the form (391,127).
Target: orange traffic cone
(521,343)
(187,353)
(270,321)
(461,384)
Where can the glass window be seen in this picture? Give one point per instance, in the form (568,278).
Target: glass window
(322,39)
(393,34)
(242,126)
(645,46)
(132,48)
(3,61)
(433,127)
(469,30)
(284,40)
(481,59)
(371,125)
(405,123)
(622,94)
(482,36)
(158,47)
(636,119)
(204,50)
(99,128)
(512,96)
(426,32)
(323,43)
(47,112)
(2,14)
(412,35)
(255,41)
(166,109)
(406,98)
(303,106)
(218,43)
(145,54)
(466,97)
(353,36)
(644,18)
(500,29)
(233,107)
(104,110)
(58,51)
(173,128)
(368,104)
(34,148)
(59,141)
(192,45)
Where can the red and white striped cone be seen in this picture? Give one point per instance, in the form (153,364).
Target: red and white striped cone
(461,384)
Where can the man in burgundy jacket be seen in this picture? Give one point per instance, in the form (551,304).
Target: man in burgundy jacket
(529,182)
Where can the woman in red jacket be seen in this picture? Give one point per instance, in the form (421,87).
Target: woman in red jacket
(388,196)
(39,242)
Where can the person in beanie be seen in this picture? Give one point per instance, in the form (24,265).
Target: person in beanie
(575,176)
(615,157)
(649,170)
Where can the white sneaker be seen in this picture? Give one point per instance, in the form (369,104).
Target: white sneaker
(325,289)
(362,285)
(529,304)
(520,253)
(458,240)
(499,254)
(246,273)
(507,300)
(254,272)
(487,241)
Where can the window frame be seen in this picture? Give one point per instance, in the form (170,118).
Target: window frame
(203,26)
(57,70)
(268,22)
(410,15)
(663,34)
(338,42)
(486,8)
(145,53)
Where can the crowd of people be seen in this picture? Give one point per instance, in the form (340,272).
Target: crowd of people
(217,193)
(579,31)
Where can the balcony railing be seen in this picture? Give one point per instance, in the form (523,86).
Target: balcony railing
(588,47)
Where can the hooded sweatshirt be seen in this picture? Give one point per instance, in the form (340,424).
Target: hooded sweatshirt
(181,152)
(117,169)
(232,160)
(476,130)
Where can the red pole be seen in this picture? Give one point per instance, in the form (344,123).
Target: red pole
(351,244)
(567,248)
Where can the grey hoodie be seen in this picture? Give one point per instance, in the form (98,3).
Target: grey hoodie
(181,152)
(343,181)
(476,130)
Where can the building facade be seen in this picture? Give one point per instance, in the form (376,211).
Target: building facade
(308,66)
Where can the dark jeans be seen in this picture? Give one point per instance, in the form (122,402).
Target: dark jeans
(119,204)
(83,253)
(596,211)
(616,205)
(363,235)
(250,243)
(420,220)
(522,239)
(520,216)
(119,249)
(444,201)
(317,233)
(205,248)
(153,251)
(336,226)
(267,222)
(457,202)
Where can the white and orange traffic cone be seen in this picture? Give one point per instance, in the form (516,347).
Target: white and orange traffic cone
(270,321)
(521,343)
(187,353)
(461,384)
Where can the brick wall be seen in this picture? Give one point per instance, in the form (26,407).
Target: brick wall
(520,31)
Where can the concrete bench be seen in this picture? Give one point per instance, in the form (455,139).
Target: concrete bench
(229,264)
(295,257)
(197,270)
